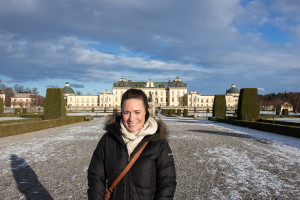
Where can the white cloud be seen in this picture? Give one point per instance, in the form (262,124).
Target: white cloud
(194,39)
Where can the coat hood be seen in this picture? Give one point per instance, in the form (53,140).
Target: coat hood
(112,125)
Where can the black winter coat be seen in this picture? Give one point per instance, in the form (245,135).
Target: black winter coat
(152,176)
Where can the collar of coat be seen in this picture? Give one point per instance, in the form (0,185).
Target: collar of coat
(113,127)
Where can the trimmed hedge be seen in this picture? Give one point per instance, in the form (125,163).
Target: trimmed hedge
(248,105)
(19,128)
(219,107)
(1,106)
(185,113)
(18,111)
(279,122)
(9,115)
(24,111)
(115,111)
(277,112)
(54,104)
(14,121)
(285,112)
(278,116)
(292,131)
(179,112)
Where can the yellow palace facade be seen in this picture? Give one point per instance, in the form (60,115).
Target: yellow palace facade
(170,94)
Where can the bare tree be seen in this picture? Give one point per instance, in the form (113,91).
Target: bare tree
(2,86)
(18,88)
(41,100)
(9,92)
(35,91)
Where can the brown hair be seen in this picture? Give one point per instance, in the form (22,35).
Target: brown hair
(136,94)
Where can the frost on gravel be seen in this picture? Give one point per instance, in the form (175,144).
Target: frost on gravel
(37,149)
(261,166)
(246,173)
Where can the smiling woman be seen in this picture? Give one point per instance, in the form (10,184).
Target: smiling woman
(152,176)
(133,114)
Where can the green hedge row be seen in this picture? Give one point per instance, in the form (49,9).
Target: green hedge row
(279,122)
(18,121)
(278,116)
(171,112)
(268,127)
(19,128)
(9,115)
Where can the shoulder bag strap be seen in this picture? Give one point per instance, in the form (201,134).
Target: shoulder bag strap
(124,172)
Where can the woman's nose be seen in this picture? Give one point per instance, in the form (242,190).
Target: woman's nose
(130,117)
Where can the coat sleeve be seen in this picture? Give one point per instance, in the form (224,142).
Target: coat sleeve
(166,175)
(96,174)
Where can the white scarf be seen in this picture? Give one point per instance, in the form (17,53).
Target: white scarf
(133,139)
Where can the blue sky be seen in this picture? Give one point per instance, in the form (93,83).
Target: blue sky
(209,44)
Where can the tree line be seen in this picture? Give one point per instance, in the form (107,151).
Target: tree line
(11,91)
(276,100)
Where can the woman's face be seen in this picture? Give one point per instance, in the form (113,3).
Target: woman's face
(133,114)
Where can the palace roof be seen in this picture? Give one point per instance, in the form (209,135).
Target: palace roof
(128,83)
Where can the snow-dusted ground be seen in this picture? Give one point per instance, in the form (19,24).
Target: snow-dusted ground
(295,120)
(10,118)
(213,161)
(234,162)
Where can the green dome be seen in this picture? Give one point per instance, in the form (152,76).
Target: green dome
(67,89)
(233,89)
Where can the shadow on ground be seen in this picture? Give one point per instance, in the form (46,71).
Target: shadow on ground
(27,181)
(231,135)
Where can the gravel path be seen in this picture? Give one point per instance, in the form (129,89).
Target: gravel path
(212,162)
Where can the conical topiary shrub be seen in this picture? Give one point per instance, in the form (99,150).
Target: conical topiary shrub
(248,106)
(219,107)
(54,104)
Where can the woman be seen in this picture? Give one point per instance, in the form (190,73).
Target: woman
(152,176)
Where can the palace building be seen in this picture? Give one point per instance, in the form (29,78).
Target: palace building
(24,100)
(170,94)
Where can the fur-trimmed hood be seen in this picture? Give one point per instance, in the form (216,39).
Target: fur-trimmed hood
(112,125)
